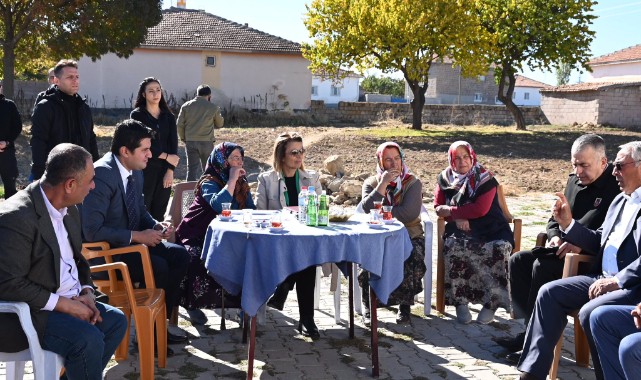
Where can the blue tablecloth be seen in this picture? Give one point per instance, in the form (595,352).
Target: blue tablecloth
(256,260)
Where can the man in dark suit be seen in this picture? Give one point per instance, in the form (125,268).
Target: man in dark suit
(614,279)
(590,190)
(115,212)
(41,264)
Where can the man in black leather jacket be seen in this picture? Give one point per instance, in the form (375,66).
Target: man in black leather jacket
(10,128)
(61,116)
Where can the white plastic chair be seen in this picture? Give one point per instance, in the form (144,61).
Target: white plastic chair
(46,364)
(428,227)
(336,288)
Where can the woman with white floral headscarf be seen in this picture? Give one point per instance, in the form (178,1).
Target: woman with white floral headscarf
(396,186)
(478,239)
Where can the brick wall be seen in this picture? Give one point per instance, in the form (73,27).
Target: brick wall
(619,107)
(460,114)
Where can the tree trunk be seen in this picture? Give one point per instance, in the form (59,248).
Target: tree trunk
(9,61)
(418,102)
(506,97)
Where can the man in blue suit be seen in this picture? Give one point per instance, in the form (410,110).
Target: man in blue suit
(115,212)
(615,278)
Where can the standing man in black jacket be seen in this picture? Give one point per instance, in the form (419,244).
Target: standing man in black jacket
(590,190)
(10,128)
(61,116)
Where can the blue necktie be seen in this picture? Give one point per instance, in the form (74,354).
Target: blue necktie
(132,210)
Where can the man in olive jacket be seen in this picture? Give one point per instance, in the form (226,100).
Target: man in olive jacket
(41,264)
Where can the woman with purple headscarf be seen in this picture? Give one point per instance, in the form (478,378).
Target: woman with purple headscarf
(396,186)
(223,181)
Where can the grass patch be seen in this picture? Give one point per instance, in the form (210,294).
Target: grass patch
(360,344)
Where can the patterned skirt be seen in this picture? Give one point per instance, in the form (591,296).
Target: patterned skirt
(413,272)
(199,290)
(476,272)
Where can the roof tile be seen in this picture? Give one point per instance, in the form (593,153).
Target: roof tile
(522,81)
(632,53)
(197,29)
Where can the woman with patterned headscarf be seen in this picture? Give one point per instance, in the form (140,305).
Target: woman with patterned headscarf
(396,186)
(478,239)
(223,181)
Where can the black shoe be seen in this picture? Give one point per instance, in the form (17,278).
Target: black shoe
(175,338)
(514,357)
(309,327)
(527,376)
(403,315)
(512,344)
(197,316)
(367,319)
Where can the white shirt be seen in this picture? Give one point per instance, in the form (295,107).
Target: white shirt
(69,283)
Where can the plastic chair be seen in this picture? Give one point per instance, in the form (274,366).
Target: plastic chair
(517,225)
(147,305)
(428,229)
(335,286)
(46,364)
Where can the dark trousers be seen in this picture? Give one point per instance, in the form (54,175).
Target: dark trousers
(8,171)
(305,281)
(156,195)
(527,276)
(556,300)
(169,262)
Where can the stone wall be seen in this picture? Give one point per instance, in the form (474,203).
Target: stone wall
(618,107)
(25,93)
(459,114)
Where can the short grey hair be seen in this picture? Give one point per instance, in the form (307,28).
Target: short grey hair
(633,148)
(592,140)
(65,161)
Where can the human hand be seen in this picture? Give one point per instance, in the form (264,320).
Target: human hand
(3,146)
(636,315)
(149,237)
(172,159)
(76,308)
(90,302)
(463,225)
(443,211)
(561,211)
(236,172)
(565,248)
(168,179)
(555,241)
(602,286)
(166,228)
(389,176)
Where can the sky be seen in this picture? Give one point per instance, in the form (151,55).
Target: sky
(618,24)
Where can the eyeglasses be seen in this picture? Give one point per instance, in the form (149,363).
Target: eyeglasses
(297,152)
(619,165)
(462,158)
(235,158)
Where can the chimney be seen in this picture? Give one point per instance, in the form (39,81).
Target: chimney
(181,4)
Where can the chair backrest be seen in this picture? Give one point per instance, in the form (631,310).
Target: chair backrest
(183,198)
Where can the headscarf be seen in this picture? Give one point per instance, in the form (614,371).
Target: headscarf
(217,170)
(395,188)
(466,186)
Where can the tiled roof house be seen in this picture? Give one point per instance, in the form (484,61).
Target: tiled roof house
(244,66)
(611,96)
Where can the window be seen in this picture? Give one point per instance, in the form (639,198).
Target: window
(335,91)
(514,95)
(481,78)
(478,97)
(314,90)
(526,96)
(211,61)
(497,101)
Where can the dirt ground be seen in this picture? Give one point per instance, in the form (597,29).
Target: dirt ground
(536,160)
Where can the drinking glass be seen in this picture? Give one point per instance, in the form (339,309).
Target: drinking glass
(226,210)
(247,218)
(387,212)
(277,220)
(378,205)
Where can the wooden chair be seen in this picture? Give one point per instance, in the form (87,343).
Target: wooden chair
(517,225)
(147,305)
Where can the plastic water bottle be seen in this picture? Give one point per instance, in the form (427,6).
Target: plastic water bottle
(323,210)
(312,210)
(302,209)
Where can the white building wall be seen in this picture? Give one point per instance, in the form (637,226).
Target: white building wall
(249,80)
(614,70)
(534,96)
(117,79)
(253,80)
(348,90)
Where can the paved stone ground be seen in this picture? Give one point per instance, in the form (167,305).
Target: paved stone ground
(432,347)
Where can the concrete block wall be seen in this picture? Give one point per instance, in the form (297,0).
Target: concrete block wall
(620,107)
(464,114)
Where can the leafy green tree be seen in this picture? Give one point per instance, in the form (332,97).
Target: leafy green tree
(395,35)
(34,31)
(563,73)
(384,85)
(538,34)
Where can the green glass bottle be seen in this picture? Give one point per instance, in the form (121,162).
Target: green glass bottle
(323,210)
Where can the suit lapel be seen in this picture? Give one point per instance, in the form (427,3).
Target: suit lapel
(46,227)
(611,218)
(115,170)
(73,230)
